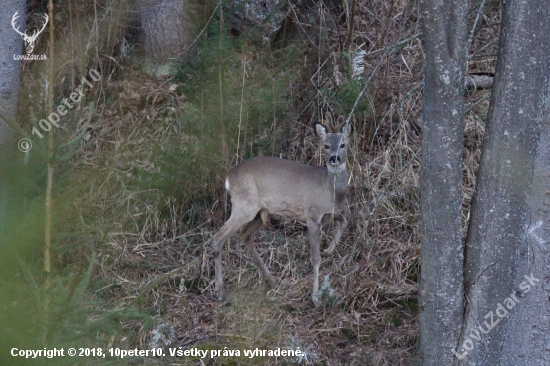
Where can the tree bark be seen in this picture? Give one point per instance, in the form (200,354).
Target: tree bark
(508,217)
(166,27)
(11,44)
(441,286)
(527,332)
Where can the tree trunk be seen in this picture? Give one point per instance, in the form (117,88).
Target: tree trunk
(441,286)
(527,332)
(505,238)
(166,27)
(11,44)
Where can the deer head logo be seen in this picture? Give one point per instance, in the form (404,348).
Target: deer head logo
(29,40)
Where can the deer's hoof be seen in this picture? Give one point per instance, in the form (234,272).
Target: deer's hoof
(221,296)
(316,302)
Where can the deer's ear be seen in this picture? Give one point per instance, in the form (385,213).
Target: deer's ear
(346,127)
(321,131)
(328,119)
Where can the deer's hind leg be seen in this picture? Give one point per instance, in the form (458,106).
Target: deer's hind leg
(239,217)
(247,234)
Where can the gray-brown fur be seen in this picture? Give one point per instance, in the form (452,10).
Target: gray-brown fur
(263,185)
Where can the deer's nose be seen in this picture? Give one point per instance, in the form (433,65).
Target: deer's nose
(335,159)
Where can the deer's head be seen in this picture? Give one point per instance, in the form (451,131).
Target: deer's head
(334,136)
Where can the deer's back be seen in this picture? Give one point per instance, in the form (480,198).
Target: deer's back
(282,187)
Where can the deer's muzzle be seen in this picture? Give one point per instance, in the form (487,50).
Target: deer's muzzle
(335,160)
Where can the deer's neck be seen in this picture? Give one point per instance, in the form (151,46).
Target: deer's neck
(338,178)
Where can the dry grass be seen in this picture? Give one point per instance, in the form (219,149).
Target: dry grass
(375,268)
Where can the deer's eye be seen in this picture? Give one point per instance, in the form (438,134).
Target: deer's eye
(327,147)
(342,146)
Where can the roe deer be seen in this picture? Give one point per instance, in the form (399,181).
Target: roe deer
(263,185)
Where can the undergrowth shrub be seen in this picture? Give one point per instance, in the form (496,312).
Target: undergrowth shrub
(235,93)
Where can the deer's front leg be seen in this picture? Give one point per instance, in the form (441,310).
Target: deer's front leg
(314,229)
(342,224)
